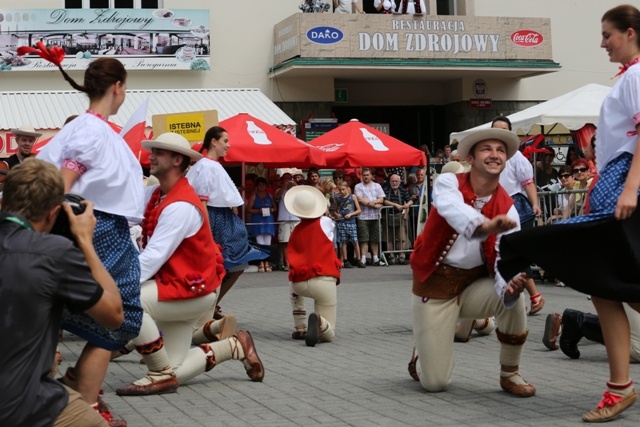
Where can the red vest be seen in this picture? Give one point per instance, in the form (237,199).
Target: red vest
(196,267)
(311,253)
(438,236)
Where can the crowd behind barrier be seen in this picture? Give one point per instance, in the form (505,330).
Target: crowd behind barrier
(559,205)
(398,230)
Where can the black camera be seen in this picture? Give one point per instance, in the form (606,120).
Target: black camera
(61,226)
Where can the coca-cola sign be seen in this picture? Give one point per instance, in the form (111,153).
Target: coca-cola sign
(526,38)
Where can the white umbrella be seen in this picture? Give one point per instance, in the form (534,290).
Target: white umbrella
(573,110)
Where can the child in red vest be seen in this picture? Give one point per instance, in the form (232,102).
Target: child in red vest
(314,268)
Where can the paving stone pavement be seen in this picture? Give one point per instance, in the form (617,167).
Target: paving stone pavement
(361,378)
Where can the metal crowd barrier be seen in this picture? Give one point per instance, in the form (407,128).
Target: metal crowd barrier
(397,234)
(559,205)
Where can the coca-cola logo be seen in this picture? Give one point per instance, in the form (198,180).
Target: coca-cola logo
(527,38)
(329,148)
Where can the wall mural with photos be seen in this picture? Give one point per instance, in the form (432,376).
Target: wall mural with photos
(142,39)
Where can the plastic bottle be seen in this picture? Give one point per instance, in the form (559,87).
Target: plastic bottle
(258,135)
(375,142)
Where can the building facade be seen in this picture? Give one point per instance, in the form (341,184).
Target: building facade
(456,66)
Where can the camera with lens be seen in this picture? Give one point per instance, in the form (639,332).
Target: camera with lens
(62,227)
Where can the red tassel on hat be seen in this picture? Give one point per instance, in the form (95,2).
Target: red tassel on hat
(55,54)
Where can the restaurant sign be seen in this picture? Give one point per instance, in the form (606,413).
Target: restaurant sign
(328,35)
(142,39)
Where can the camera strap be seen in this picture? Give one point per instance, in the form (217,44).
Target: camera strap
(8,217)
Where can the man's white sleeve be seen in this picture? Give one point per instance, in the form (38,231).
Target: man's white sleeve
(328,227)
(177,222)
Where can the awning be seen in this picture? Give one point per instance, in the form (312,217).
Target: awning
(49,110)
(384,70)
(572,110)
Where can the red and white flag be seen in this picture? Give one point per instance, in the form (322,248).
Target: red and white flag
(133,130)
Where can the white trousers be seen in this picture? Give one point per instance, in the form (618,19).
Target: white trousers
(176,320)
(634,324)
(323,290)
(434,324)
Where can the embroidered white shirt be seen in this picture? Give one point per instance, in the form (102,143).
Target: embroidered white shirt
(113,177)
(466,252)
(211,181)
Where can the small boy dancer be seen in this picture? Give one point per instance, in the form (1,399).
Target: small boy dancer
(314,266)
(348,208)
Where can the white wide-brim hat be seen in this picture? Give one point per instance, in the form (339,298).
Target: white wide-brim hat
(510,139)
(455,167)
(26,130)
(305,201)
(172,142)
(150,181)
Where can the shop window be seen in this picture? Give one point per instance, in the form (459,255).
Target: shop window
(446,7)
(73,4)
(149,4)
(123,4)
(99,4)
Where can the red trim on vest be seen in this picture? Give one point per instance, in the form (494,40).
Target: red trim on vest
(432,246)
(196,267)
(311,253)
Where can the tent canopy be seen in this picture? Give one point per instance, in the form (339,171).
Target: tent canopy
(355,144)
(254,141)
(573,110)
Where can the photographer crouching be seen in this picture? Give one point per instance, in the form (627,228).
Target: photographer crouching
(40,273)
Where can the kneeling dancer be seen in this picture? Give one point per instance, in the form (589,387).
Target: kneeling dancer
(314,267)
(181,267)
(454,266)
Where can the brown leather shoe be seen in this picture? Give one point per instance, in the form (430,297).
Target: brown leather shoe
(608,409)
(518,390)
(535,308)
(105,411)
(255,371)
(552,331)
(113,422)
(228,327)
(169,385)
(412,368)
(298,335)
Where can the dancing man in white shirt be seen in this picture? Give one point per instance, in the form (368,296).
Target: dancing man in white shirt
(181,268)
(454,266)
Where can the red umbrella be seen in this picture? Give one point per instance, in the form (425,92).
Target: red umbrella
(254,141)
(355,144)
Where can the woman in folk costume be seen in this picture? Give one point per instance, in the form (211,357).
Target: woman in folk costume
(220,197)
(314,267)
(613,218)
(261,225)
(97,163)
(411,7)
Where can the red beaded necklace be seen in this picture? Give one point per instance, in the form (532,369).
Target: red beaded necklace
(626,66)
(98,115)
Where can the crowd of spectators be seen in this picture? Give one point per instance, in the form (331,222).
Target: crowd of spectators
(368,205)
